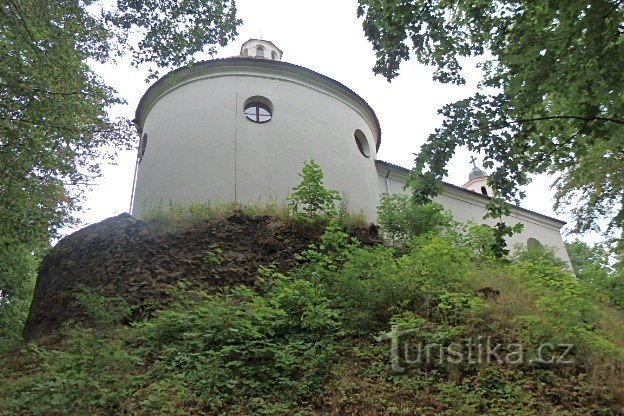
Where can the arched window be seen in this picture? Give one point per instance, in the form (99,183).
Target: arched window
(259,52)
(534,244)
(484,190)
(273,55)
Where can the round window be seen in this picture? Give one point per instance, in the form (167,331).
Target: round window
(142,146)
(257,112)
(362,143)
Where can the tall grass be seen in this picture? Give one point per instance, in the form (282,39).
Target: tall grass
(178,214)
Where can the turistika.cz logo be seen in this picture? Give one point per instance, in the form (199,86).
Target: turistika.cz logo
(479,350)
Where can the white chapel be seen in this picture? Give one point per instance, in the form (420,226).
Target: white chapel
(240,128)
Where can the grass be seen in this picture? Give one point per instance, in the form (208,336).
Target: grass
(181,215)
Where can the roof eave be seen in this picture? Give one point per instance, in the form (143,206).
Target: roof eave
(206,64)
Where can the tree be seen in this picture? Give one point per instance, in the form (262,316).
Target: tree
(310,198)
(551,98)
(592,265)
(54,127)
(402,220)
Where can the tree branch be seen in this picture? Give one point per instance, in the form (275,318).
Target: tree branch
(587,119)
(547,118)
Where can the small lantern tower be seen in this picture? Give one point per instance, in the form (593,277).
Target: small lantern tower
(478,180)
(261,49)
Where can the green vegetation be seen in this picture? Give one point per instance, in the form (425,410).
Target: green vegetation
(549,99)
(55,129)
(213,255)
(183,215)
(306,341)
(592,265)
(178,216)
(18,272)
(310,199)
(401,219)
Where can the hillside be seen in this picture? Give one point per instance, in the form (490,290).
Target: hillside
(250,312)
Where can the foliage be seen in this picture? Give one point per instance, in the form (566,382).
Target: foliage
(91,373)
(549,100)
(591,264)
(180,215)
(330,252)
(219,350)
(55,131)
(402,219)
(101,309)
(307,341)
(18,271)
(588,261)
(213,255)
(172,35)
(310,199)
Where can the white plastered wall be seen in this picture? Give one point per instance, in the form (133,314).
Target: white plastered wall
(202,148)
(470,206)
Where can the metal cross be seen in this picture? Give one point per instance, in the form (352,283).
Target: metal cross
(473,160)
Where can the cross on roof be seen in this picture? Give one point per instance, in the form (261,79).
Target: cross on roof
(473,160)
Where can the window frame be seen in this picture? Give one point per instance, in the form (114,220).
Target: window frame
(361,141)
(258,106)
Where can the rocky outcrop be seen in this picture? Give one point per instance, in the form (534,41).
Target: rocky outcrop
(138,260)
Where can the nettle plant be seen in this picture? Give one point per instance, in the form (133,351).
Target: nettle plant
(310,199)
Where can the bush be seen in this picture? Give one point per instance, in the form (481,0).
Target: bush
(18,271)
(310,199)
(401,219)
(218,351)
(371,284)
(91,374)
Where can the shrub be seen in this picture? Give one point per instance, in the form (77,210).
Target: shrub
(310,199)
(213,255)
(302,342)
(371,284)
(102,310)
(402,220)
(91,372)
(219,351)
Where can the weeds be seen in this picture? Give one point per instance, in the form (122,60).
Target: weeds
(304,341)
(213,255)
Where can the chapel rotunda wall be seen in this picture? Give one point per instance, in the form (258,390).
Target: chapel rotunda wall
(240,129)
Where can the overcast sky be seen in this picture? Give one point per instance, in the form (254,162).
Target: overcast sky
(327,37)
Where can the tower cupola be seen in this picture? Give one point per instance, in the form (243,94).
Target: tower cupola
(261,49)
(478,180)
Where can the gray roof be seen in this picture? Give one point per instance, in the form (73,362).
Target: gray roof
(476,173)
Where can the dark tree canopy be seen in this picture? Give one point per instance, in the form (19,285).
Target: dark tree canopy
(551,98)
(55,130)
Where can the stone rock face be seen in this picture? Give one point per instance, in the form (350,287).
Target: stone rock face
(138,260)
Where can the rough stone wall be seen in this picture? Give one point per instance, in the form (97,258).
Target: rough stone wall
(138,260)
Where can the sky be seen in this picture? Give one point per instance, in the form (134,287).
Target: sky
(327,37)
